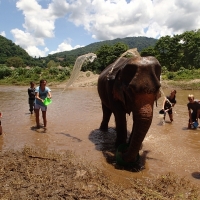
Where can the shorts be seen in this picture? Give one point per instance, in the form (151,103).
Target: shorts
(170,112)
(43,108)
(193,115)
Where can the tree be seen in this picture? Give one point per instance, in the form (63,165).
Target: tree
(108,54)
(51,63)
(15,62)
(177,51)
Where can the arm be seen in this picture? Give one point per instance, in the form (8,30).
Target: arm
(173,104)
(37,96)
(49,94)
(163,106)
(29,92)
(190,116)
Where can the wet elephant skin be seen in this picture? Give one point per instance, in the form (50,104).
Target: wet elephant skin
(129,86)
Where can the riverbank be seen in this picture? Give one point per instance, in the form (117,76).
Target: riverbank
(184,85)
(88,79)
(37,174)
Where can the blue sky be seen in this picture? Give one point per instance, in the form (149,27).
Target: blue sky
(43,27)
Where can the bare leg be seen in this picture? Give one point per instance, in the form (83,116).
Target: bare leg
(37,118)
(171,117)
(44,118)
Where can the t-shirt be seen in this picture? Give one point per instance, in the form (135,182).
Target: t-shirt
(168,102)
(193,106)
(42,95)
(31,93)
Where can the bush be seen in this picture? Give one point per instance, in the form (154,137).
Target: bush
(5,71)
(170,75)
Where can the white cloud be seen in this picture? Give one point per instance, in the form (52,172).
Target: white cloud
(3,34)
(38,21)
(105,19)
(29,42)
(36,52)
(64,46)
(110,19)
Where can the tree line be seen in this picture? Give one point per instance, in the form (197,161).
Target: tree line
(179,56)
(178,51)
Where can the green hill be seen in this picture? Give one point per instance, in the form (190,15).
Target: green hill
(133,42)
(9,49)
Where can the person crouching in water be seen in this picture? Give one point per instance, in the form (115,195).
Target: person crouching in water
(168,103)
(41,92)
(193,110)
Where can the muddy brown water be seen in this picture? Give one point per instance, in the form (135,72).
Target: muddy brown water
(73,121)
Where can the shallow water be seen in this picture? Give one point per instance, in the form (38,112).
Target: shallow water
(73,121)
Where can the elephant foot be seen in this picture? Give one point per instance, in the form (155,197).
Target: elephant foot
(103,129)
(121,161)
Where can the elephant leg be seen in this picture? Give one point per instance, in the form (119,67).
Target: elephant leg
(106,118)
(121,128)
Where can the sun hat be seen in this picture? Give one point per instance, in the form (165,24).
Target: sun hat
(47,101)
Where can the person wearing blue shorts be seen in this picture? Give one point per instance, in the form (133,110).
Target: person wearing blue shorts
(41,92)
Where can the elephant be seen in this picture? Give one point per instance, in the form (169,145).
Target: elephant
(129,85)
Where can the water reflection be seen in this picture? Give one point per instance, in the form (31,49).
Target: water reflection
(73,121)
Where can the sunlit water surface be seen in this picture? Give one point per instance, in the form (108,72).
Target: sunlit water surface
(73,121)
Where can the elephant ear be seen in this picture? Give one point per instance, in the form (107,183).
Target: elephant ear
(116,67)
(118,93)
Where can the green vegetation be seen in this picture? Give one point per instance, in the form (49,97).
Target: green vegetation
(181,74)
(67,58)
(22,76)
(177,52)
(179,56)
(106,55)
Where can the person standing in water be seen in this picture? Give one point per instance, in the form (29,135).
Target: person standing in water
(168,103)
(41,92)
(193,110)
(31,94)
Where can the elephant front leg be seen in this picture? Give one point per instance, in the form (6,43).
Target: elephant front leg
(142,122)
(106,118)
(121,128)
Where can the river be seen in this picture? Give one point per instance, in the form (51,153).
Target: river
(73,120)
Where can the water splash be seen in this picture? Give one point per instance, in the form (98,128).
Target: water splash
(77,67)
(130,53)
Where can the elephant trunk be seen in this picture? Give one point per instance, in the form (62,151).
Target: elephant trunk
(142,117)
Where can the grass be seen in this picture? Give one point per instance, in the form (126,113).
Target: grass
(38,174)
(184,85)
